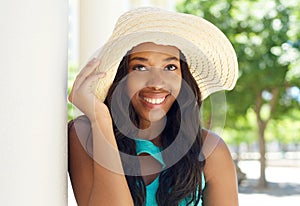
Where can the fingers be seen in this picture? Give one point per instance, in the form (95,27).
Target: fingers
(86,71)
(84,86)
(93,77)
(86,76)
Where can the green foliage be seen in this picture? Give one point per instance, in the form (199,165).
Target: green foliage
(266,37)
(244,130)
(72,72)
(285,130)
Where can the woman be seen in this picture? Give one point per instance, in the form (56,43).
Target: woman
(140,141)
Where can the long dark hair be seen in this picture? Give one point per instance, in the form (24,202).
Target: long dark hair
(183,180)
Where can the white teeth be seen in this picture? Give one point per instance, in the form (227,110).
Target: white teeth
(154,100)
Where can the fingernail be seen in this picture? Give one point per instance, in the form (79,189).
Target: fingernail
(101,74)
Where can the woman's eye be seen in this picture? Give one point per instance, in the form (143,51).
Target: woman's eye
(171,67)
(139,68)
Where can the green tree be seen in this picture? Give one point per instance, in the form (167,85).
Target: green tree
(264,35)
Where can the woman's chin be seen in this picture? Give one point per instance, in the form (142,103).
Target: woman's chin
(156,115)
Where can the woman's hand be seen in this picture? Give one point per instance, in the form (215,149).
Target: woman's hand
(82,97)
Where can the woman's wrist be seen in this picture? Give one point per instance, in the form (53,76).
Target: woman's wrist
(100,114)
(102,126)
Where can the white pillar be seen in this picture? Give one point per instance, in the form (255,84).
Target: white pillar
(33,114)
(97,19)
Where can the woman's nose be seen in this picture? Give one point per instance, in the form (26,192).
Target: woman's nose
(156,79)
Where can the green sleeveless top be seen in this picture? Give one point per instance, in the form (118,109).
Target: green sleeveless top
(145,146)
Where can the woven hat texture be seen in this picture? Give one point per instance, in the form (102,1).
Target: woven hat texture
(209,54)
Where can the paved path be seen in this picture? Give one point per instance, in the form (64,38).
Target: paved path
(283,188)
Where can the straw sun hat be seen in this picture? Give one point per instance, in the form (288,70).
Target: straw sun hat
(209,54)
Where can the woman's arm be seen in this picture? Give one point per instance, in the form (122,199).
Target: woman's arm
(105,183)
(109,184)
(80,164)
(87,175)
(220,174)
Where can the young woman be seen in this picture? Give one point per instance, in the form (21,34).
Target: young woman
(140,140)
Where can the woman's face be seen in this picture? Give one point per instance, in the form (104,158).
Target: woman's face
(154,80)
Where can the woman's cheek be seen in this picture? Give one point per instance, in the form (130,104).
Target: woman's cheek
(174,81)
(134,83)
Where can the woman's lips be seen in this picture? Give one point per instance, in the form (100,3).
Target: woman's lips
(154,100)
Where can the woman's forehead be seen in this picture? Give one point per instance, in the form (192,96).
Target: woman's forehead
(156,48)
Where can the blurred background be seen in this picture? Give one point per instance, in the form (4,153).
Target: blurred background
(262,126)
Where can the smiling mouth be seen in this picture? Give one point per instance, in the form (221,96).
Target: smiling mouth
(155,101)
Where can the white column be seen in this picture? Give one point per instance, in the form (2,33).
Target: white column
(73,41)
(97,19)
(33,114)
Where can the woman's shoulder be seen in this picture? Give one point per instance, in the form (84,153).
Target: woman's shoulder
(219,171)
(212,143)
(81,121)
(80,128)
(217,154)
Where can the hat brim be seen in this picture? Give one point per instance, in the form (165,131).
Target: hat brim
(207,70)
(209,54)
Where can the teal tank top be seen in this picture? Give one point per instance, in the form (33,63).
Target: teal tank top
(145,146)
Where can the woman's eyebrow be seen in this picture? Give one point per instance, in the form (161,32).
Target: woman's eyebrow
(171,59)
